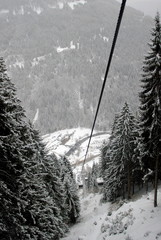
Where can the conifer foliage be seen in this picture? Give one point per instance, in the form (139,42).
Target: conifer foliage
(33,202)
(93,175)
(150,106)
(11,164)
(119,156)
(71,197)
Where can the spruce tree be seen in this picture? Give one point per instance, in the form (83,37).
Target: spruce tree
(150,106)
(137,173)
(72,199)
(114,176)
(105,148)
(120,156)
(104,157)
(56,188)
(126,139)
(27,209)
(11,166)
(39,207)
(92,184)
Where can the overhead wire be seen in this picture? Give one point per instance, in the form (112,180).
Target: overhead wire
(122,8)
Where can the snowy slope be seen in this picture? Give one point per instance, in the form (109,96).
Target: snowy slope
(73,143)
(135,220)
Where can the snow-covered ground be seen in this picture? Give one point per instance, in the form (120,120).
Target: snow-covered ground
(73,143)
(76,140)
(131,220)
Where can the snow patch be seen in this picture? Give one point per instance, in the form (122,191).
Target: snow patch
(105,39)
(20,11)
(71,47)
(92,109)
(73,4)
(60,5)
(60,49)
(4,11)
(80,100)
(19,63)
(102,78)
(37,60)
(36,116)
(38,10)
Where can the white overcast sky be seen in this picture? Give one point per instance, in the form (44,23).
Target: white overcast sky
(149,7)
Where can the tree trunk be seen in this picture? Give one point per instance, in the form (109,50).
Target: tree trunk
(147,186)
(84,183)
(129,183)
(133,187)
(156,181)
(123,191)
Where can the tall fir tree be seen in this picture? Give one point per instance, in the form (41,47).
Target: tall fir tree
(72,199)
(56,188)
(27,210)
(39,207)
(150,106)
(120,156)
(93,175)
(11,166)
(105,148)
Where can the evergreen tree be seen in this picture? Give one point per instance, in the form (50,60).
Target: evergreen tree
(39,208)
(103,159)
(150,106)
(114,176)
(27,209)
(105,148)
(56,187)
(92,184)
(125,133)
(72,199)
(137,173)
(11,166)
(120,156)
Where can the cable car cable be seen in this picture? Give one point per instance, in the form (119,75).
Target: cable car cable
(106,73)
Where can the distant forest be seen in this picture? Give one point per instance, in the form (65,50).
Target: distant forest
(65,84)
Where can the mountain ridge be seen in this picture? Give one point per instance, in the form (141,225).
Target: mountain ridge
(57,58)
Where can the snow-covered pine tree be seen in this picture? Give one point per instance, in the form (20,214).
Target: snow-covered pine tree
(126,142)
(95,175)
(137,173)
(42,214)
(72,199)
(103,158)
(113,174)
(109,167)
(150,105)
(92,184)
(11,166)
(119,155)
(105,147)
(89,182)
(56,187)
(27,211)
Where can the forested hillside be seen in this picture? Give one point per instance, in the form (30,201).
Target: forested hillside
(57,51)
(38,194)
